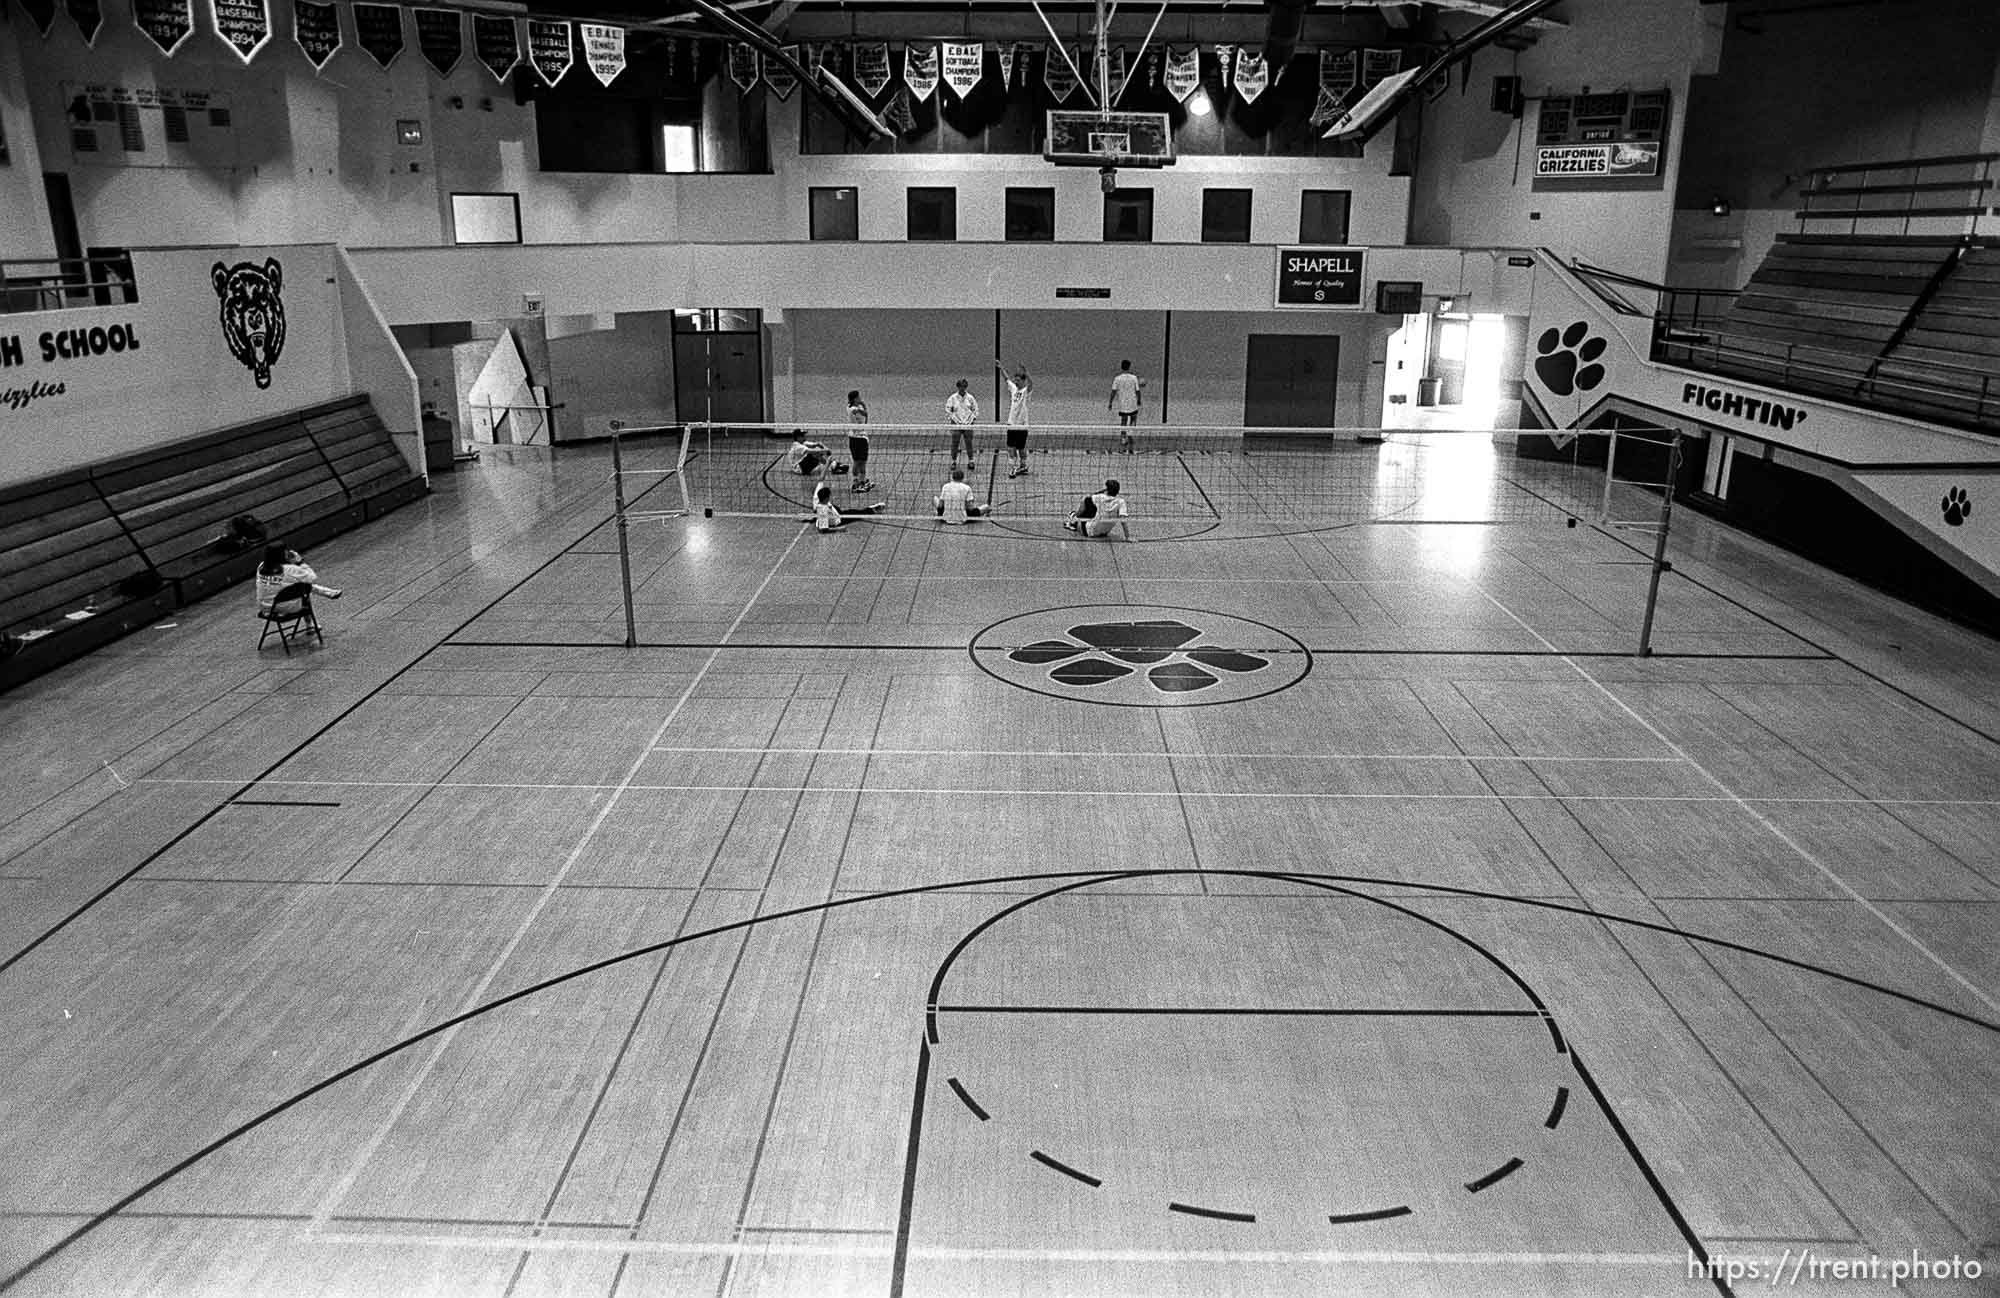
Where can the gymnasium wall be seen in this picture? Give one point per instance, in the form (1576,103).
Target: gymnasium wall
(182,379)
(1475,176)
(1798,90)
(624,371)
(905,362)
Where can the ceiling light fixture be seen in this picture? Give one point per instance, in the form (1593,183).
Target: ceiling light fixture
(1199,105)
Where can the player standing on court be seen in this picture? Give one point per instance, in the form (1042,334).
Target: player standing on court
(961,412)
(1019,385)
(1125,399)
(857,440)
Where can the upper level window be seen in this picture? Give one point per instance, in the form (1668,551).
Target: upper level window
(1323,215)
(1031,214)
(1225,216)
(1128,216)
(933,213)
(833,213)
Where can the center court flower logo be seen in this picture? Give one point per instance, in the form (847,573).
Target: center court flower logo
(1141,657)
(1107,648)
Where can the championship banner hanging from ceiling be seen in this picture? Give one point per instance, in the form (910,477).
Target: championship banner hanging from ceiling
(550,50)
(1116,73)
(88,15)
(871,68)
(1014,63)
(1377,64)
(779,77)
(42,13)
(1183,72)
(920,70)
(898,113)
(440,37)
(316,27)
(1057,74)
(166,22)
(603,50)
(1339,72)
(379,30)
(243,25)
(743,69)
(1225,58)
(964,65)
(495,44)
(1253,74)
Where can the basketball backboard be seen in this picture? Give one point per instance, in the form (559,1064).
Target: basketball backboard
(1088,138)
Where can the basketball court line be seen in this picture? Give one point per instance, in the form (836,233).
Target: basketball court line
(956,791)
(421,1076)
(1730,795)
(1351,651)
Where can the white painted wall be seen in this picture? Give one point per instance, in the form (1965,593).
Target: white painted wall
(24,218)
(1475,179)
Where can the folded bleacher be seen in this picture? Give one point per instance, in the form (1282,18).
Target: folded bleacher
(91,553)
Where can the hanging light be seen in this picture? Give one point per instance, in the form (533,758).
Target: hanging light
(1199,105)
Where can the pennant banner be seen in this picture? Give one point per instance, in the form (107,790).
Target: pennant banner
(550,50)
(1326,107)
(871,68)
(1377,64)
(743,68)
(1057,76)
(243,25)
(1339,72)
(495,44)
(1225,57)
(42,13)
(898,113)
(1115,73)
(166,22)
(1183,72)
(440,37)
(920,70)
(88,15)
(316,27)
(964,65)
(779,77)
(379,30)
(1253,74)
(1014,61)
(603,50)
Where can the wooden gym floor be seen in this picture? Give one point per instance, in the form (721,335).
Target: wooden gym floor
(929,911)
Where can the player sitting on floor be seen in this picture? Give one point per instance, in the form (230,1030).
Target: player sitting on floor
(806,457)
(954,501)
(827,516)
(1100,512)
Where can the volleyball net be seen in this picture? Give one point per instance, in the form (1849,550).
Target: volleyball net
(1245,480)
(1179,482)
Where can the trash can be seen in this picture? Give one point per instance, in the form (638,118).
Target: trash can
(1427,391)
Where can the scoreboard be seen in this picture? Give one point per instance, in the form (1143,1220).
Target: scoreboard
(1612,136)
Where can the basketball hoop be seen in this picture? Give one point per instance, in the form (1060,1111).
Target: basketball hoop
(1107,179)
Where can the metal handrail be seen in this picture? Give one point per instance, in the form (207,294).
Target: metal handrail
(1856,382)
(102,280)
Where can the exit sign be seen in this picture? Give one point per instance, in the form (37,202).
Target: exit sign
(1326,278)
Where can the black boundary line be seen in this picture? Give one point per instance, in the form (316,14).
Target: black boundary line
(294,751)
(1222,1011)
(250,802)
(1329,882)
(1380,1214)
(965,1098)
(1495,1176)
(1694,1243)
(1556,1111)
(1218,1214)
(900,1260)
(1085,1177)
(1182,461)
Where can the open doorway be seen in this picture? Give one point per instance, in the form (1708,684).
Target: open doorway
(1451,370)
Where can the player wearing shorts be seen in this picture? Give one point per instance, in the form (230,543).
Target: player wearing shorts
(857,440)
(961,412)
(1019,385)
(1125,400)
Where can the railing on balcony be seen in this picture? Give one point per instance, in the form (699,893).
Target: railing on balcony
(62,283)
(1940,195)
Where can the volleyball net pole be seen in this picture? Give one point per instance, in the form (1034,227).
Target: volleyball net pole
(1659,543)
(624,543)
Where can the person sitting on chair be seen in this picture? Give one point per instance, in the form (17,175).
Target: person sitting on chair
(954,501)
(282,568)
(1100,512)
(827,516)
(806,457)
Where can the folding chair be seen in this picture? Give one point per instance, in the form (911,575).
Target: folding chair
(290,615)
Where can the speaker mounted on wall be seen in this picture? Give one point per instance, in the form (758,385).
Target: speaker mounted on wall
(1507,97)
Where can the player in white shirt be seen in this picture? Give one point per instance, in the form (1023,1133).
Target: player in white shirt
(1100,512)
(827,516)
(954,500)
(1126,399)
(961,412)
(1019,385)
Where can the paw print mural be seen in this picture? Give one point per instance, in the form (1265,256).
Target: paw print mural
(1957,506)
(1142,656)
(1107,648)
(1566,359)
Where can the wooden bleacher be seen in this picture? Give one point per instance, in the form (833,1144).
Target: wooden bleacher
(1837,293)
(1952,345)
(129,538)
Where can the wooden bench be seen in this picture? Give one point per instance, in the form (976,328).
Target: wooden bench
(150,521)
(71,578)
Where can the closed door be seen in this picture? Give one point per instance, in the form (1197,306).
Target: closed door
(1289,381)
(719,377)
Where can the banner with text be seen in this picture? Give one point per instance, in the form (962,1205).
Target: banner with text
(243,25)
(1183,72)
(440,37)
(550,50)
(378,29)
(496,45)
(316,27)
(88,15)
(603,50)
(166,23)
(964,65)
